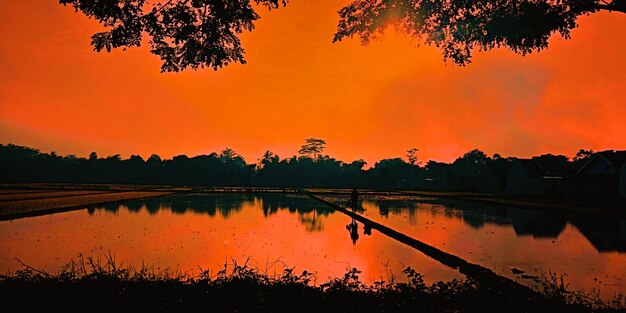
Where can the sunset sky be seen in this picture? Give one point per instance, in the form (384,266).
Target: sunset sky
(369,102)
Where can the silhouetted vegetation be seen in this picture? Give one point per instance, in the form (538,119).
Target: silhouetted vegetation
(183,34)
(458,27)
(203,33)
(545,175)
(110,286)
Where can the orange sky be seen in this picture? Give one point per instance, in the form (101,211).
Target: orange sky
(368,102)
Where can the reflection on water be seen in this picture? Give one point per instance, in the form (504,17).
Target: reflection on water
(187,231)
(226,205)
(605,233)
(589,249)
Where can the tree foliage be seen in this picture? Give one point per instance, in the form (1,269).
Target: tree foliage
(457,27)
(411,156)
(184,33)
(312,148)
(27,165)
(205,33)
(583,155)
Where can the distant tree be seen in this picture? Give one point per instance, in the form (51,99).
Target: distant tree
(93,156)
(136,159)
(580,159)
(473,157)
(312,148)
(155,167)
(70,157)
(411,155)
(154,159)
(558,157)
(268,158)
(23,164)
(466,170)
(459,26)
(583,155)
(228,154)
(115,157)
(496,156)
(357,164)
(391,173)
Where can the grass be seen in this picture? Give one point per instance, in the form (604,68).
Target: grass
(104,285)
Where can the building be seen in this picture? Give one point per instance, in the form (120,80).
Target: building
(493,177)
(543,175)
(524,178)
(602,176)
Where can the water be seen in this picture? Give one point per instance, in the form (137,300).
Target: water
(589,251)
(273,231)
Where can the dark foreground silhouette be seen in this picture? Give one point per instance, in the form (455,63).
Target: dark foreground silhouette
(87,285)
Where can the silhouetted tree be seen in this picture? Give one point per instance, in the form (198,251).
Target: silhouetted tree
(437,175)
(467,169)
(228,154)
(155,159)
(579,160)
(205,33)
(459,26)
(312,148)
(23,164)
(268,170)
(583,155)
(411,155)
(268,158)
(391,173)
(354,174)
(196,34)
(473,157)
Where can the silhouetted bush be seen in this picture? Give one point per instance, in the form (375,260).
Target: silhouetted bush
(90,284)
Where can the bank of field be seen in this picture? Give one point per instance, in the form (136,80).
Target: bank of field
(17,205)
(47,195)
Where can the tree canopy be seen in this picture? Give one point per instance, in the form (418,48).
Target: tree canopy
(205,33)
(228,168)
(183,33)
(312,148)
(459,26)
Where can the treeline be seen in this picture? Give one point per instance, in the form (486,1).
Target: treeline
(310,168)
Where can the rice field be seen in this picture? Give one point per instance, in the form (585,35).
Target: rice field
(30,203)
(46,195)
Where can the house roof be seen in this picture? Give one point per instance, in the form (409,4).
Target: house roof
(551,165)
(616,158)
(532,168)
(499,169)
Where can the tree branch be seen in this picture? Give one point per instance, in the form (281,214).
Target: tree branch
(163,6)
(609,7)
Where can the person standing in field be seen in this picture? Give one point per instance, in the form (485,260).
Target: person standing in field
(354,199)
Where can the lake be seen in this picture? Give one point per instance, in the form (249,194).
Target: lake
(271,232)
